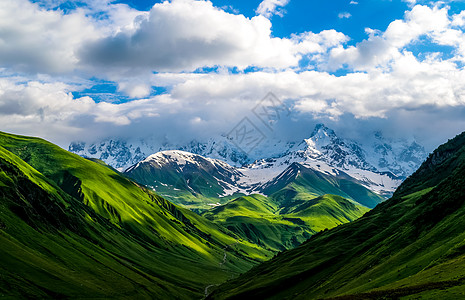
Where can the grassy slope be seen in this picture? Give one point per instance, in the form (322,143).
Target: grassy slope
(47,247)
(412,244)
(258,219)
(310,184)
(119,227)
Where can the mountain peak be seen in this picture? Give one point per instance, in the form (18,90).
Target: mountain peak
(322,131)
(321,138)
(173,153)
(174,156)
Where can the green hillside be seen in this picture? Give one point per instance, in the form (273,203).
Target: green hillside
(411,246)
(71,227)
(300,183)
(260,219)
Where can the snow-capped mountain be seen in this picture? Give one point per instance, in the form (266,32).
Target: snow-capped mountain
(381,166)
(400,157)
(324,145)
(189,172)
(121,154)
(331,155)
(196,181)
(116,153)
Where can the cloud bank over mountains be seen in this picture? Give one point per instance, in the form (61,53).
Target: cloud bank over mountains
(212,67)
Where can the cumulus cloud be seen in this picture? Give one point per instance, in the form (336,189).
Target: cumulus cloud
(383,47)
(168,39)
(115,42)
(40,40)
(459,19)
(269,8)
(411,84)
(50,110)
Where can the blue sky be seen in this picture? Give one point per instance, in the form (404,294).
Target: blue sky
(183,69)
(316,15)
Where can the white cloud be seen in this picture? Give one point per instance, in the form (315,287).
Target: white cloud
(134,88)
(269,8)
(168,39)
(39,40)
(411,84)
(50,110)
(36,100)
(353,2)
(309,42)
(411,2)
(344,15)
(118,43)
(208,104)
(381,48)
(459,19)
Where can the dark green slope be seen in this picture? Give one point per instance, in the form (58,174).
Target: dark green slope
(70,227)
(48,249)
(261,220)
(410,246)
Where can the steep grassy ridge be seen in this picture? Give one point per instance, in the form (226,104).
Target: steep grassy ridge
(73,227)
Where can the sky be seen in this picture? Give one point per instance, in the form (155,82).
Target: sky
(180,70)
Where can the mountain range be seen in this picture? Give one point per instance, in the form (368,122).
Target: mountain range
(322,164)
(399,157)
(200,181)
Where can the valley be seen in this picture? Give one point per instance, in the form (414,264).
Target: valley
(67,213)
(224,219)
(305,232)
